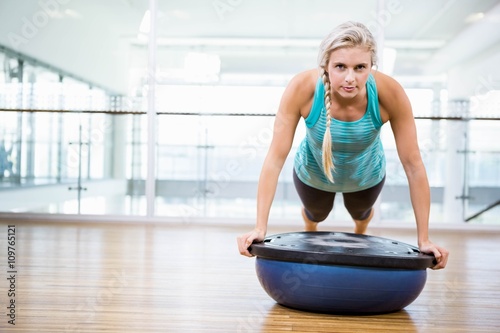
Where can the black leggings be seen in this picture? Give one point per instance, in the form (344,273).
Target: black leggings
(318,203)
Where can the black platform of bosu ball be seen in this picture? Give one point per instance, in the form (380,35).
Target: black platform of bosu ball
(337,272)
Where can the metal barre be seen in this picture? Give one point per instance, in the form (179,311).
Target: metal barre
(213,114)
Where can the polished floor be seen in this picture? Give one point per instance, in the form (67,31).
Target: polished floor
(124,277)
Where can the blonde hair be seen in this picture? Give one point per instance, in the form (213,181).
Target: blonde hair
(348,34)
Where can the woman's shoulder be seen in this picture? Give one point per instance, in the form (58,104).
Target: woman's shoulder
(391,94)
(382,79)
(301,87)
(304,81)
(386,85)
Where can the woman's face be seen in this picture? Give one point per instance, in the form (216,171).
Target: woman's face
(348,69)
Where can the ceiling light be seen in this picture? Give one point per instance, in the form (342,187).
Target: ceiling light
(145,23)
(180,14)
(144,27)
(71,13)
(474,17)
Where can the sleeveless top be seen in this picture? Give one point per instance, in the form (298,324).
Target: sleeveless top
(358,154)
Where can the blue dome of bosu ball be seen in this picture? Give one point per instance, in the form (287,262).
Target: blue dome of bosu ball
(335,272)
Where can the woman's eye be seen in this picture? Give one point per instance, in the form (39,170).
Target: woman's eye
(340,66)
(360,67)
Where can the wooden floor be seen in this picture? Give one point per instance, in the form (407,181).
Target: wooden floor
(190,278)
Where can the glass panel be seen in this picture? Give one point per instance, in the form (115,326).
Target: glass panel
(61,162)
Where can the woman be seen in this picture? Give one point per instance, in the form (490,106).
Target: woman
(344,105)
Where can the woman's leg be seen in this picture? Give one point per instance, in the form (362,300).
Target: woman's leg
(317,204)
(360,206)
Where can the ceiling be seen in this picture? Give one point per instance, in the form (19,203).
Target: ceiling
(260,41)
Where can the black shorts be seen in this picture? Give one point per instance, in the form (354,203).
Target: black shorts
(318,203)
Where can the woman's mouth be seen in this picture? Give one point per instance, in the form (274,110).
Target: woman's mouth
(349,89)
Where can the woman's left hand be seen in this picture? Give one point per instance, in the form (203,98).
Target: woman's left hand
(440,253)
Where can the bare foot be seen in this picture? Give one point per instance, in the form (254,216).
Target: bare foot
(309,225)
(362,225)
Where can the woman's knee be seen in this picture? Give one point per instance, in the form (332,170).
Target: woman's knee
(317,214)
(360,215)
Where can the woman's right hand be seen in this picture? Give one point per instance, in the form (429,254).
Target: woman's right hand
(245,240)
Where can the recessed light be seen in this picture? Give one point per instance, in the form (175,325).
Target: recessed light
(474,17)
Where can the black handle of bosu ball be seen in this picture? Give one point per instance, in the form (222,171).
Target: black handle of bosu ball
(336,248)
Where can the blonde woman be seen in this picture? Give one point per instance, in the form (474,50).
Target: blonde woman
(344,104)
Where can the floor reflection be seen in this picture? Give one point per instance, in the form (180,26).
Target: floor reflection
(280,318)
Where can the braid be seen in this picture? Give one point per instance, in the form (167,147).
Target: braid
(327,157)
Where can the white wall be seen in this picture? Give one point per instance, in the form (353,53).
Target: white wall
(88,39)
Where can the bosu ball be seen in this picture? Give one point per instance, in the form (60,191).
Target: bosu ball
(335,272)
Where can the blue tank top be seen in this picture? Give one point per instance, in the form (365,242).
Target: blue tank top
(357,150)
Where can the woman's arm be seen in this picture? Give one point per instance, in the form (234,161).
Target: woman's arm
(296,97)
(396,108)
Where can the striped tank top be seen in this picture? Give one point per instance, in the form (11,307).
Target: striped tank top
(358,154)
